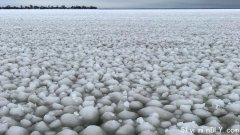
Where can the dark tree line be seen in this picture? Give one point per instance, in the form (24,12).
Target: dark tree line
(47,7)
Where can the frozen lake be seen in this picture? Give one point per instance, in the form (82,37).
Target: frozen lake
(119,72)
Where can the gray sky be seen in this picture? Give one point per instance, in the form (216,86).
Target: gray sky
(131,3)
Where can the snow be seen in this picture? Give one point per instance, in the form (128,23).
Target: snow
(121,72)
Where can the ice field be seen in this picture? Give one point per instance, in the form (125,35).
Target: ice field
(119,72)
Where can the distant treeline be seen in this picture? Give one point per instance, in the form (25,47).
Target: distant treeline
(47,7)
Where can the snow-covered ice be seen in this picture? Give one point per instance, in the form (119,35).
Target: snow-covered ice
(122,72)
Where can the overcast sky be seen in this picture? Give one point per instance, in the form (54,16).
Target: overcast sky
(131,3)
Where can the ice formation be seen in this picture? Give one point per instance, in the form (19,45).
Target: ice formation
(118,72)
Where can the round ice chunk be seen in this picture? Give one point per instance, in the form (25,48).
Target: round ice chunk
(41,127)
(3,128)
(141,98)
(145,126)
(108,116)
(175,131)
(22,96)
(49,118)
(41,110)
(185,108)
(89,86)
(35,133)
(182,102)
(89,114)
(55,124)
(154,103)
(67,101)
(45,77)
(214,123)
(153,121)
(52,100)
(67,132)
(126,130)
(116,96)
(216,102)
(70,120)
(202,113)
(234,107)
(187,117)
(93,130)
(148,132)
(163,114)
(135,105)
(124,115)
(25,123)
(17,112)
(165,124)
(16,130)
(170,108)
(111,126)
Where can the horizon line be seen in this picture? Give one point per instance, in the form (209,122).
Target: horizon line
(121,8)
